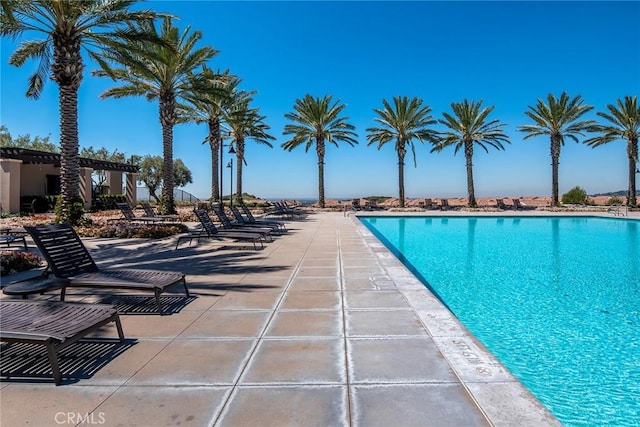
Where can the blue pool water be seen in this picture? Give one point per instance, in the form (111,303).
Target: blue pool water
(556,300)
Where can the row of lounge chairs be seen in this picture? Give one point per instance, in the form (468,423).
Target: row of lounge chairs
(516,204)
(150,215)
(244,228)
(56,325)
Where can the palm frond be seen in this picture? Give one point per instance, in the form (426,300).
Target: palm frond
(318,119)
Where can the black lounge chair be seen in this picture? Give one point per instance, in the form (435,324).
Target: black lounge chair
(209,230)
(276,227)
(68,258)
(12,236)
(282,209)
(150,213)
(253,220)
(227,224)
(130,216)
(55,325)
(444,204)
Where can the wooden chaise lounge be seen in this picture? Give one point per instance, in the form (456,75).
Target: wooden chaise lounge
(55,325)
(68,258)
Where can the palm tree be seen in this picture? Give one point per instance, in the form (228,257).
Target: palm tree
(403,122)
(469,127)
(68,27)
(318,120)
(242,123)
(206,105)
(625,124)
(558,119)
(163,72)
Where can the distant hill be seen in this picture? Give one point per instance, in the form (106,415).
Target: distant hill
(621,193)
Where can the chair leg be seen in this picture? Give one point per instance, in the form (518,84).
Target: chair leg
(53,360)
(159,304)
(186,290)
(116,319)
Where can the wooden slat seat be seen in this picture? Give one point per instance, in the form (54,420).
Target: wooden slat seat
(53,324)
(68,258)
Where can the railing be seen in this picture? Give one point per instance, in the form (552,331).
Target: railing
(178,195)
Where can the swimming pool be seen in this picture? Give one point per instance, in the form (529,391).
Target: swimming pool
(555,299)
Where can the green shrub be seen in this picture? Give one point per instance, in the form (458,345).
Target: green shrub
(615,200)
(75,216)
(16,261)
(575,196)
(126,230)
(38,204)
(108,202)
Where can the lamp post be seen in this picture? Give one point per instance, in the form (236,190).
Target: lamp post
(230,166)
(231,151)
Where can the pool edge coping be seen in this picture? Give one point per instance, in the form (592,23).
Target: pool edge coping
(499,395)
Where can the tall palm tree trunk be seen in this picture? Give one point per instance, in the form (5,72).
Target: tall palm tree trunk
(66,70)
(167,120)
(632,151)
(69,159)
(555,162)
(214,143)
(468,153)
(320,149)
(240,161)
(401,154)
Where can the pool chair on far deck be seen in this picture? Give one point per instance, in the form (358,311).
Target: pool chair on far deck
(500,204)
(274,226)
(128,215)
(209,230)
(149,212)
(67,257)
(444,204)
(517,204)
(253,220)
(281,209)
(228,225)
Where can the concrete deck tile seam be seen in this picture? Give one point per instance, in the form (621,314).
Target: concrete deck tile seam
(374,383)
(313,383)
(265,327)
(216,339)
(168,340)
(347,368)
(378,309)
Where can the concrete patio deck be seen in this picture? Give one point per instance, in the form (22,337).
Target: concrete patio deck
(324,327)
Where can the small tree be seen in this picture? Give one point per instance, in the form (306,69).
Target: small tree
(576,196)
(151,174)
(25,141)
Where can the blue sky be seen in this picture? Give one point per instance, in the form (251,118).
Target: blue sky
(507,54)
